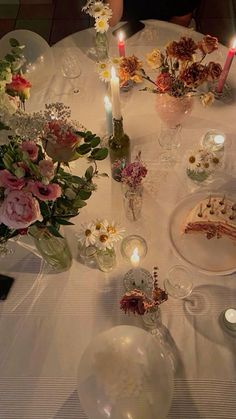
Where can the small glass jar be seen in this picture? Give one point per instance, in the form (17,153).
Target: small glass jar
(106,259)
(133,202)
(87,255)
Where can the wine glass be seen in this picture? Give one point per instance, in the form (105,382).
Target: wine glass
(71,70)
(178,283)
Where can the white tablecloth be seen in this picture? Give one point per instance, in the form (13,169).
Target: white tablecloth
(48,319)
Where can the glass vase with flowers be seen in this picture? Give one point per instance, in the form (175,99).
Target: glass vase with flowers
(101,13)
(132,176)
(181,75)
(100,237)
(38,194)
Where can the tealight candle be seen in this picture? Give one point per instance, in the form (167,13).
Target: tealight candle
(134,249)
(227,65)
(214,140)
(108,112)
(121,44)
(229,318)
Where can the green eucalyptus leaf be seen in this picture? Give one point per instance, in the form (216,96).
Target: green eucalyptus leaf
(14,43)
(53,230)
(62,221)
(99,153)
(84,148)
(89,173)
(95,142)
(84,195)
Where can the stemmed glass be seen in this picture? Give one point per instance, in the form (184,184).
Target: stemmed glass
(71,70)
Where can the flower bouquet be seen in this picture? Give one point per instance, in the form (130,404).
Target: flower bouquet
(100,236)
(139,302)
(132,175)
(14,88)
(37,192)
(181,68)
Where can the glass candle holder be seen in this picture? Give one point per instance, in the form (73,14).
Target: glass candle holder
(229,319)
(133,249)
(214,140)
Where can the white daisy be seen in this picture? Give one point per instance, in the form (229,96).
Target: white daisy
(106,12)
(113,230)
(104,241)
(88,234)
(105,75)
(101,24)
(96,9)
(102,66)
(115,61)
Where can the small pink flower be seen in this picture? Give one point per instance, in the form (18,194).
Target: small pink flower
(31,149)
(46,168)
(19,86)
(8,180)
(19,210)
(60,141)
(44,192)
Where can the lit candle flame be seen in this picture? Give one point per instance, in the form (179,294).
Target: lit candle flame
(135,257)
(234,44)
(121,36)
(219,139)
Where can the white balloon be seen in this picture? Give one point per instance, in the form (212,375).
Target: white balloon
(39,65)
(125,374)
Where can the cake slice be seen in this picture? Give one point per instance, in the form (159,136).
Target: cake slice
(214,217)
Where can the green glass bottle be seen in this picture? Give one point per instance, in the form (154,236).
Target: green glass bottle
(119,149)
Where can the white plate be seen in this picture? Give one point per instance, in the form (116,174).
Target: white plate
(214,256)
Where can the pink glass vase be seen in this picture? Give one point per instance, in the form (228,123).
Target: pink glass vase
(173,110)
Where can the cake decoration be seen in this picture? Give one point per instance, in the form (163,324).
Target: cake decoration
(214,220)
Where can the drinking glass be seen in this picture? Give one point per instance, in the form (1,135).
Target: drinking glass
(71,70)
(178,283)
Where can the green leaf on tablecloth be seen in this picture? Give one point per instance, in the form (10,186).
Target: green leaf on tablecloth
(84,148)
(95,142)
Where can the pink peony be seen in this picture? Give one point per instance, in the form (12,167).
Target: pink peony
(19,210)
(8,180)
(44,192)
(19,87)
(30,148)
(46,168)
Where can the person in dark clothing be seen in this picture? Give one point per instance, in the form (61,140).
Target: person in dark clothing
(175,11)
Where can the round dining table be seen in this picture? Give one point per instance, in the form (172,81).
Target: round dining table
(49,319)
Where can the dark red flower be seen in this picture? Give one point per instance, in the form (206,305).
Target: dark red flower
(164,82)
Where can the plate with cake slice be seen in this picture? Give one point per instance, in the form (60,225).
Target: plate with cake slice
(202,230)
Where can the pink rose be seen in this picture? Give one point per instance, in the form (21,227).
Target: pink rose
(30,148)
(19,210)
(44,192)
(8,180)
(19,87)
(60,141)
(164,82)
(46,168)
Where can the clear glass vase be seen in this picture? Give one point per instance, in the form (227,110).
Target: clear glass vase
(133,201)
(54,250)
(171,111)
(106,259)
(101,43)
